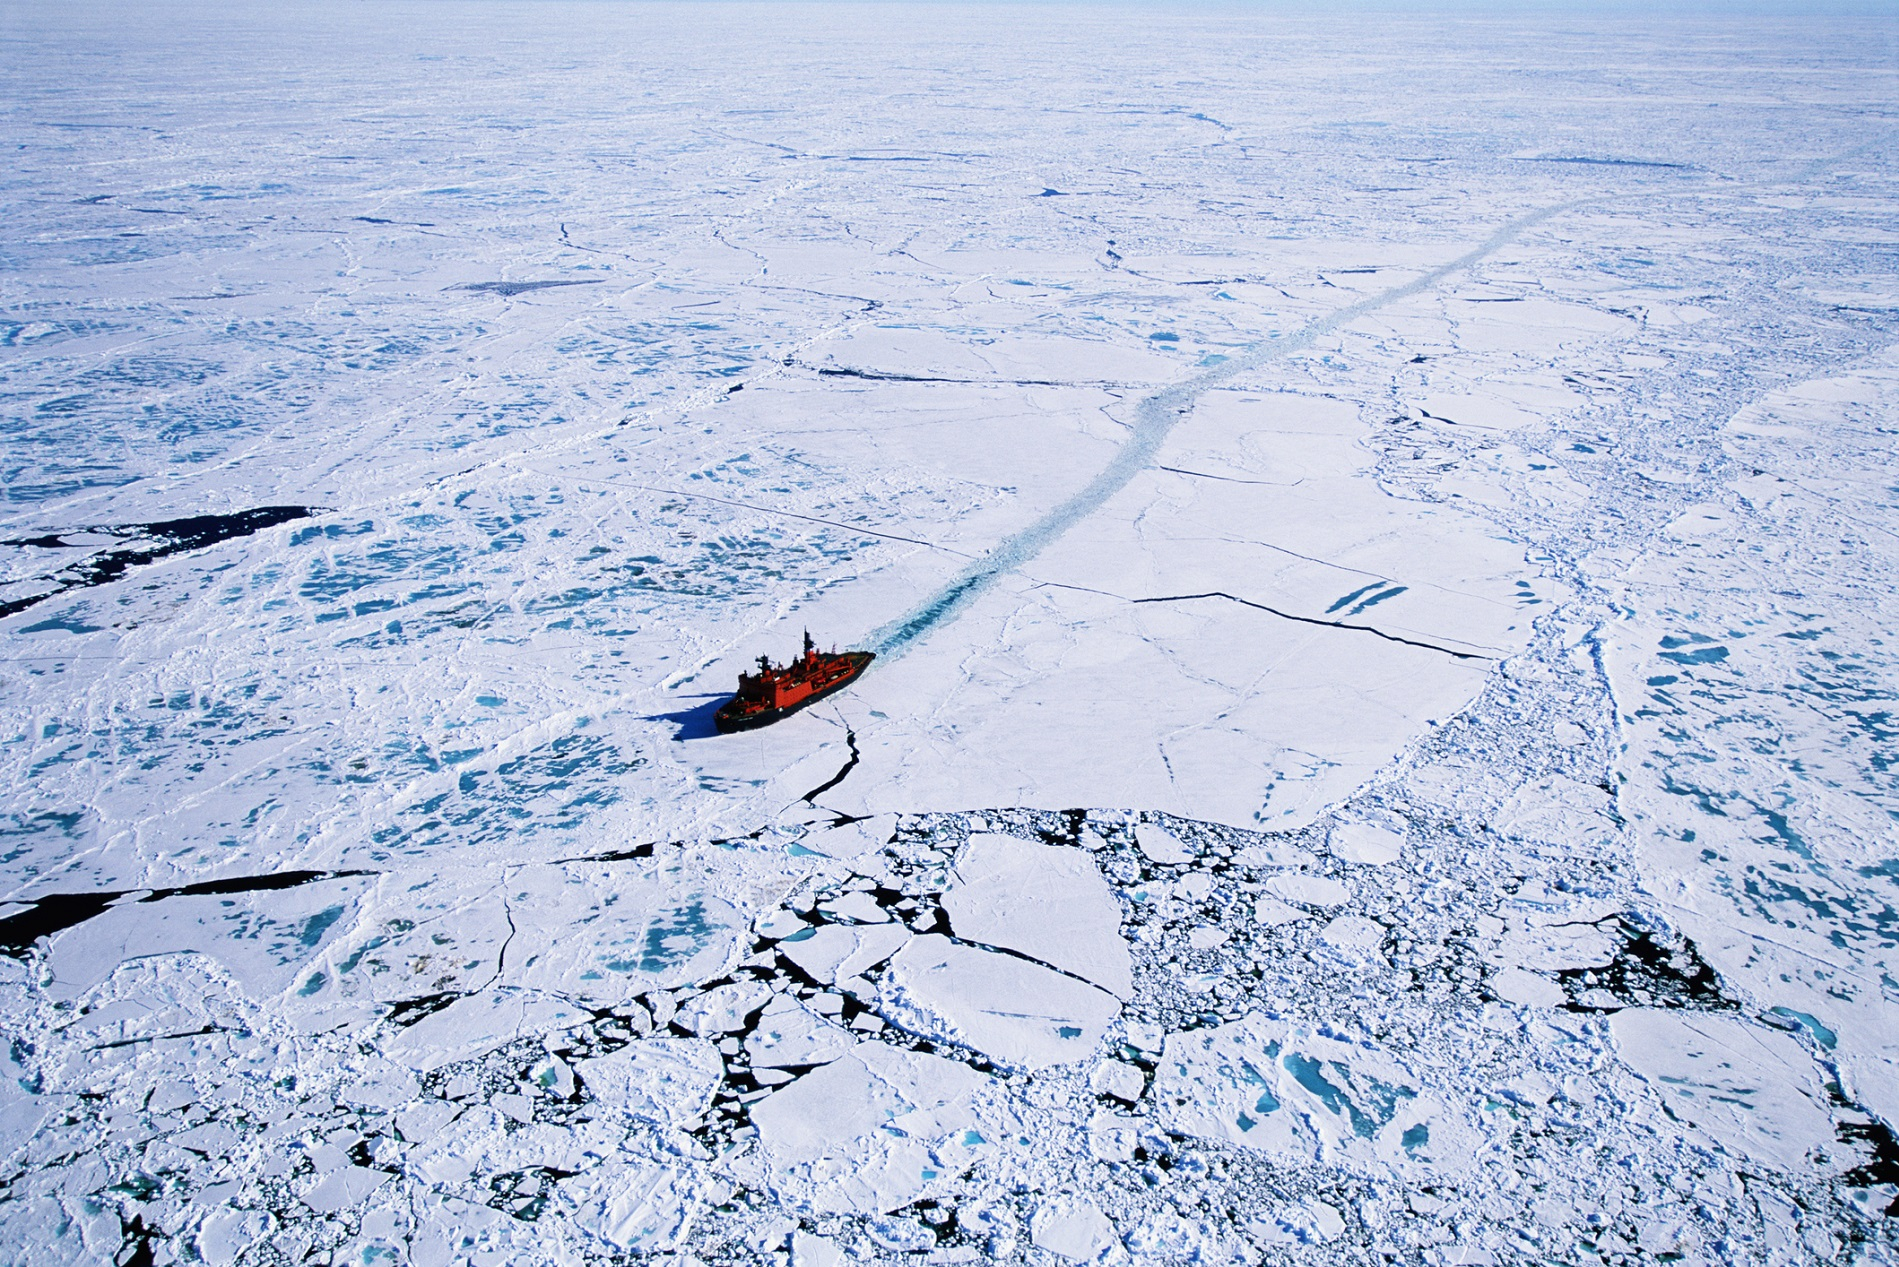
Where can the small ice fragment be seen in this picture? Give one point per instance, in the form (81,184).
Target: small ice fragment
(1326,1221)
(779,924)
(809,1250)
(1313,890)
(1194,886)
(1078,1232)
(1354,935)
(1007,1008)
(858,907)
(1272,912)
(1161,845)
(1207,938)
(1118,1079)
(518,1107)
(839,951)
(852,839)
(1048,902)
(1143,1036)
(343,1188)
(723,1009)
(1515,985)
(1367,843)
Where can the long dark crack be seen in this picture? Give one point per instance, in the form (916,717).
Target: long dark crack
(1313,620)
(850,738)
(57,912)
(159,540)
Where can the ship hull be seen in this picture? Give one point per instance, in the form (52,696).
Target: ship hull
(730,720)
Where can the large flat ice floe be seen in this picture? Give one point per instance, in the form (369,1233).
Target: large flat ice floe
(1378,535)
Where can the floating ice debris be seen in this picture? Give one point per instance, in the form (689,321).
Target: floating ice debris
(1370,843)
(791,1035)
(1161,845)
(1075,1230)
(1048,902)
(1353,935)
(1300,1097)
(863,1133)
(835,951)
(1751,1088)
(1016,1011)
(1517,985)
(1312,890)
(668,1080)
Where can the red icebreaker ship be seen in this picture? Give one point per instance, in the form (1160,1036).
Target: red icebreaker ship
(771,693)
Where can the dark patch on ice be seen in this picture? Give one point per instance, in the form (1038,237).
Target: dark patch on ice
(1313,620)
(850,738)
(200,1032)
(152,542)
(1649,970)
(1883,1169)
(57,912)
(409,1011)
(136,1237)
(508,290)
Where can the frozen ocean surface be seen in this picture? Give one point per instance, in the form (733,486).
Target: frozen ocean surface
(1379,531)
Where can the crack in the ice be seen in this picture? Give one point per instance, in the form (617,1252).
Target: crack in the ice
(165,538)
(1230,479)
(57,912)
(1314,620)
(880,376)
(850,738)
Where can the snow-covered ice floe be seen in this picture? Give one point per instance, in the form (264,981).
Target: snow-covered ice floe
(1379,549)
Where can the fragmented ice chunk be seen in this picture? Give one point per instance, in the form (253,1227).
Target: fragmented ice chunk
(1272,1085)
(856,905)
(850,839)
(1369,843)
(1118,1079)
(1272,912)
(1076,1230)
(1551,943)
(789,1034)
(723,1009)
(344,1187)
(1004,1007)
(811,1250)
(871,1131)
(836,950)
(666,1080)
(1047,901)
(1313,890)
(634,1207)
(1161,845)
(1207,938)
(1353,936)
(1514,985)
(1753,1089)
(479,1023)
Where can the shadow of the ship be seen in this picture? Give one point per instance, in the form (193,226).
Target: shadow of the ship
(694,722)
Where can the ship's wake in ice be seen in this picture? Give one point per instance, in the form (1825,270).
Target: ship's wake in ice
(1155,417)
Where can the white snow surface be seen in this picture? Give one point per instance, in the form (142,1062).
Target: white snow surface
(1378,532)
